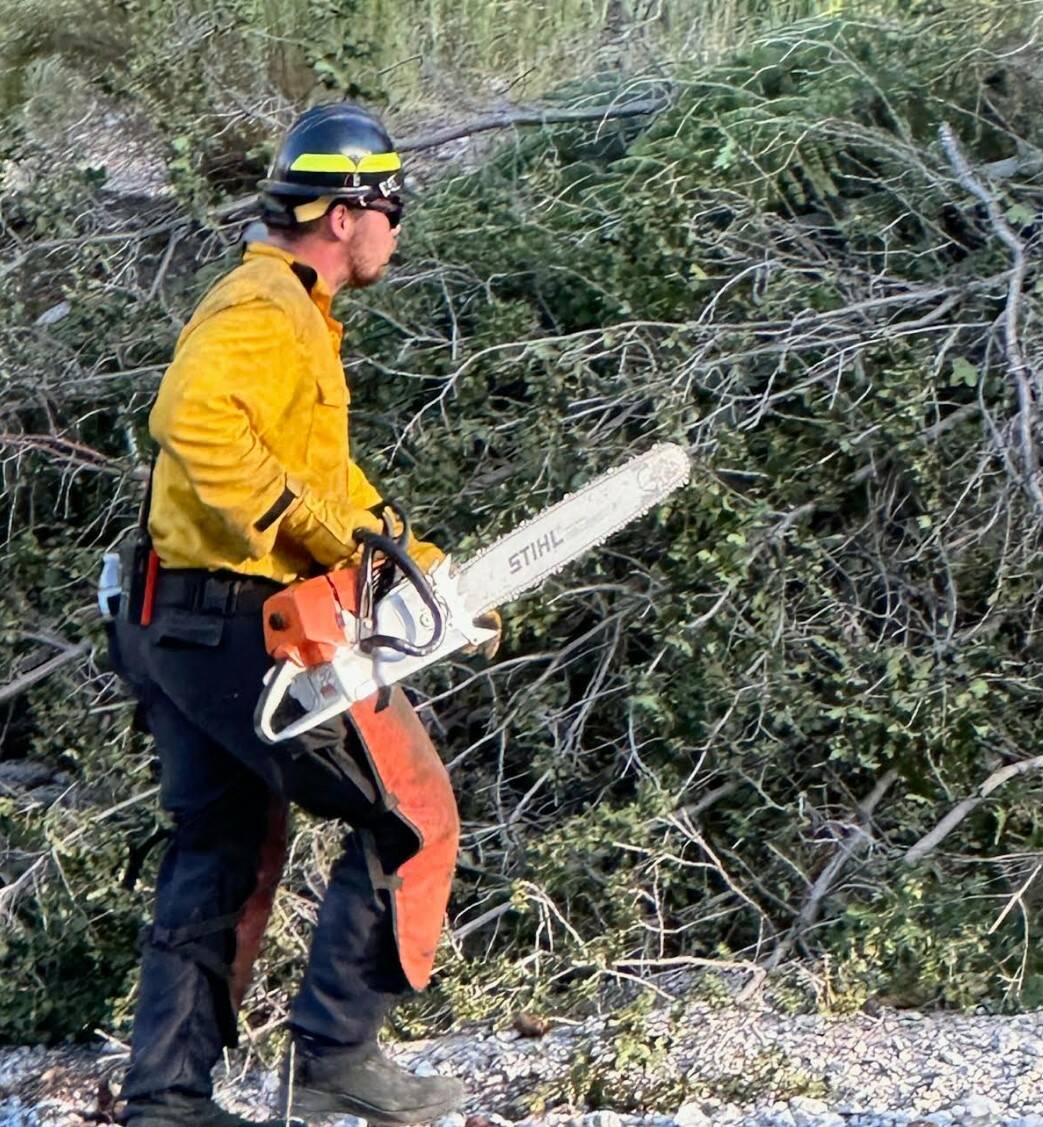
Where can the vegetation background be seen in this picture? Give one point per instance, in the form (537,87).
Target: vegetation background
(785,728)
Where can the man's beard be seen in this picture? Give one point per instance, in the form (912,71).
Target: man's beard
(366,276)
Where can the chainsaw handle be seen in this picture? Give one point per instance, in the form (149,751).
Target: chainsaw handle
(277,684)
(395,551)
(384,580)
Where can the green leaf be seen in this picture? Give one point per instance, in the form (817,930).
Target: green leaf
(1020,215)
(964,372)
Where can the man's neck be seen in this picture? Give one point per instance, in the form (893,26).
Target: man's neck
(326,261)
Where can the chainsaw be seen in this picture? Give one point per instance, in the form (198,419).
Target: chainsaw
(346,635)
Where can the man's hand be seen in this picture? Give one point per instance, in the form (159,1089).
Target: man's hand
(490,620)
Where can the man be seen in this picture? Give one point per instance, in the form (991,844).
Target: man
(254,488)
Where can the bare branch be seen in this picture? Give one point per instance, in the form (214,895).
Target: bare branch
(511,118)
(42,671)
(1026,381)
(858,834)
(956,815)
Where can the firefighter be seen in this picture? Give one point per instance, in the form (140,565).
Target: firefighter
(254,488)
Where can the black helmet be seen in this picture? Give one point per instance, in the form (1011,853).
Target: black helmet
(334,153)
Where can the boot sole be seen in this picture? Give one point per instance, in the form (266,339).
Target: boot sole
(310,1101)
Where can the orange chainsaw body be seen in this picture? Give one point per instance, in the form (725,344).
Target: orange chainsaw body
(305,623)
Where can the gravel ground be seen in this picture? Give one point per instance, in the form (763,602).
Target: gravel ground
(741,1066)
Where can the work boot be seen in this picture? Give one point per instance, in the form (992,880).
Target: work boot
(172,1109)
(361,1081)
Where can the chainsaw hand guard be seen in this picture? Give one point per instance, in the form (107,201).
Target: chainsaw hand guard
(367,596)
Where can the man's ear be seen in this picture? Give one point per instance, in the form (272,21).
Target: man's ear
(341,222)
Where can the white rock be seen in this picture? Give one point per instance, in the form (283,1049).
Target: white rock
(807,1107)
(602,1119)
(453,1119)
(980,1109)
(690,1115)
(832,1119)
(424,1068)
(1028,1121)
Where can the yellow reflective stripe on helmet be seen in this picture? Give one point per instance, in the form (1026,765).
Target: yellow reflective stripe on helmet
(323,162)
(380,162)
(338,162)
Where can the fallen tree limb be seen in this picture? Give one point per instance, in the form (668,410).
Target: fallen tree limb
(64,450)
(956,815)
(510,118)
(41,671)
(1026,380)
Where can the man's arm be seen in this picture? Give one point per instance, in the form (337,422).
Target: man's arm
(226,387)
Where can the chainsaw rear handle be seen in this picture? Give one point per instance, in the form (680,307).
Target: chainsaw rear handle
(394,550)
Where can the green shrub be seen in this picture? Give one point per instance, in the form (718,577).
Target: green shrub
(780,272)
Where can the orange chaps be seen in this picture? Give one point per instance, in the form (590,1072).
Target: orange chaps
(303,624)
(415,786)
(249,931)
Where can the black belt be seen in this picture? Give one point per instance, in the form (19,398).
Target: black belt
(213,592)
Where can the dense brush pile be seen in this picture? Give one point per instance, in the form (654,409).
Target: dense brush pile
(743,731)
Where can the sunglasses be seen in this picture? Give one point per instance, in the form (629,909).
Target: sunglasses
(393,207)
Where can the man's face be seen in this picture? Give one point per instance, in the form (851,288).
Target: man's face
(369,245)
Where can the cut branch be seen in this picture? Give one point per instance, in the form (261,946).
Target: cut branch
(929,842)
(530,117)
(464,930)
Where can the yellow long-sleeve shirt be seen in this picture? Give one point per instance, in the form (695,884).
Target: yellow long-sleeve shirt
(254,473)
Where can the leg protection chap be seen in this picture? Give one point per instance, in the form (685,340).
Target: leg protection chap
(206,930)
(249,930)
(415,786)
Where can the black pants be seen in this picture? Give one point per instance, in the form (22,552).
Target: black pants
(197,678)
